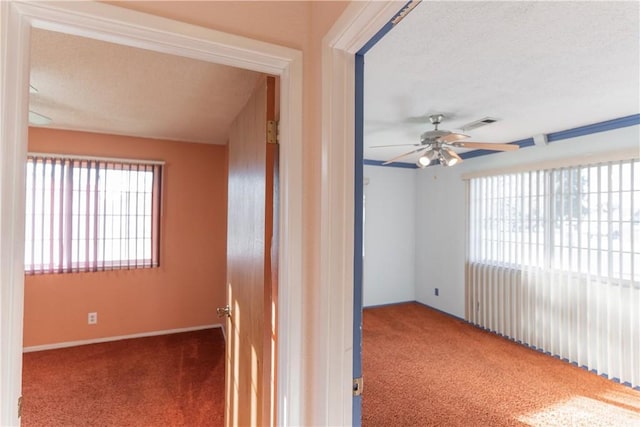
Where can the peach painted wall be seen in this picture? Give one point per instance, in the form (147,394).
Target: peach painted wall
(190,282)
(299,25)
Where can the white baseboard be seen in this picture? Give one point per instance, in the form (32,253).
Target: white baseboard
(118,338)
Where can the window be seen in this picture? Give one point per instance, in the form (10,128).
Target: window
(90,214)
(583,219)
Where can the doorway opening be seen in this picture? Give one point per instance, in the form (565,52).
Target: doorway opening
(109,102)
(359,199)
(113,24)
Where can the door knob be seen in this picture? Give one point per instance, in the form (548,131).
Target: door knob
(224,311)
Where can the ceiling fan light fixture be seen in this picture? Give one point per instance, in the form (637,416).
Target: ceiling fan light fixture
(449,157)
(426,159)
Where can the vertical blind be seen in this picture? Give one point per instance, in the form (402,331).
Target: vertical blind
(90,214)
(554,262)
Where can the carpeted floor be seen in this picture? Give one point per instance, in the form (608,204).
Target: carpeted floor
(424,368)
(169,380)
(421,368)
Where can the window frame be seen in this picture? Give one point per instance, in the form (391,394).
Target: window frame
(551,247)
(64,259)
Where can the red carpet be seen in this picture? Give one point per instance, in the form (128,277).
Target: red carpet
(424,368)
(169,380)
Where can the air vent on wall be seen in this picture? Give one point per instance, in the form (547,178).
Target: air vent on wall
(479,123)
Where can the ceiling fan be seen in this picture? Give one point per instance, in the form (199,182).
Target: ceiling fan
(436,145)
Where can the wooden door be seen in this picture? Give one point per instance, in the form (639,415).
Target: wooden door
(251,285)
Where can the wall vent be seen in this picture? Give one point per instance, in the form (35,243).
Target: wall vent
(479,123)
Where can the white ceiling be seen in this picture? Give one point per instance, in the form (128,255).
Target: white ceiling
(90,85)
(539,67)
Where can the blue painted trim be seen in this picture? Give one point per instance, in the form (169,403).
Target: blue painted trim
(390,304)
(358,239)
(453,316)
(531,347)
(519,342)
(528,142)
(621,122)
(547,353)
(382,32)
(391,165)
(358,206)
(375,39)
(476,153)
(468,155)
(633,120)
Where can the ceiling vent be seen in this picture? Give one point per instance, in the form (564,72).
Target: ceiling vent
(479,123)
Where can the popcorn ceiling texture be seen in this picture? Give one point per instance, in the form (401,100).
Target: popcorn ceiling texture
(539,67)
(96,86)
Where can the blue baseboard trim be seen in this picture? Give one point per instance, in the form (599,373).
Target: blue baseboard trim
(358,193)
(453,316)
(547,353)
(531,347)
(391,304)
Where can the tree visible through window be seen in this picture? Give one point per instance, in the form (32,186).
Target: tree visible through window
(583,219)
(91,214)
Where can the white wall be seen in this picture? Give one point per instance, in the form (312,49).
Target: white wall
(389,235)
(440,241)
(441,207)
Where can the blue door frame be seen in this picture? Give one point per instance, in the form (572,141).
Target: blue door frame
(358,235)
(359,200)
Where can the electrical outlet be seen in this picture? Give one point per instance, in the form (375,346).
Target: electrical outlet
(437,292)
(92,318)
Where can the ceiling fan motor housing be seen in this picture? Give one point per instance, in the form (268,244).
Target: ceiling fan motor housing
(432,135)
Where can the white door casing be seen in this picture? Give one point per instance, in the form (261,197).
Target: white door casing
(357,25)
(127,27)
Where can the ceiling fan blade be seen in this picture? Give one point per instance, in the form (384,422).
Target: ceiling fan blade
(453,137)
(454,154)
(395,159)
(486,146)
(395,145)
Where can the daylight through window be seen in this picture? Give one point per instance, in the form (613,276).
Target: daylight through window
(583,219)
(91,214)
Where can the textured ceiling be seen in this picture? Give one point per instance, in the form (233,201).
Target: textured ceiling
(90,85)
(539,67)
